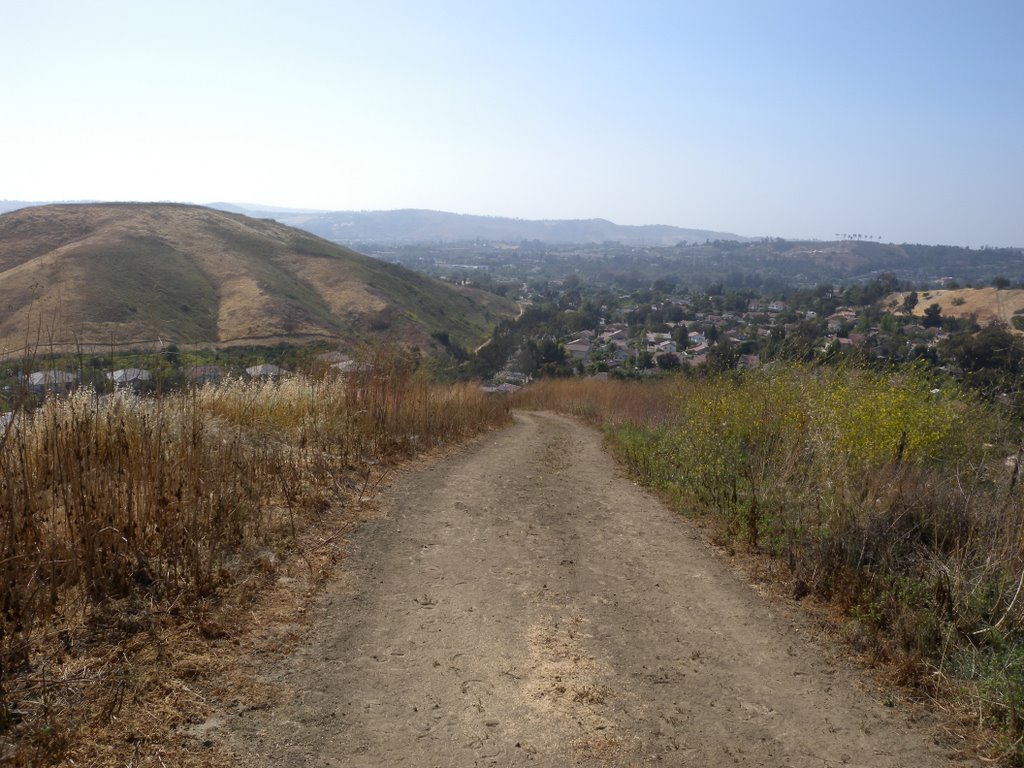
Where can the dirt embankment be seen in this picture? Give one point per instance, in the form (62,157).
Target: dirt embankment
(523,603)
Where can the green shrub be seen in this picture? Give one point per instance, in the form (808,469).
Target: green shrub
(886,492)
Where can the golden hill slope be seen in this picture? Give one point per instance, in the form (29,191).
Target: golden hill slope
(133,273)
(985,304)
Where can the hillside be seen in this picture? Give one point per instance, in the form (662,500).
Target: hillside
(421,226)
(986,305)
(135,273)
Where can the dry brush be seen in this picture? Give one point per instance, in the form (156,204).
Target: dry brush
(892,496)
(119,508)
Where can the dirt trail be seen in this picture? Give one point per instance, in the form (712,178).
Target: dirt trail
(522,603)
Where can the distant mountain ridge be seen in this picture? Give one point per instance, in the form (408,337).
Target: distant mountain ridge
(414,225)
(424,226)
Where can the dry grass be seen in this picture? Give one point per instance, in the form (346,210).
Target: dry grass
(986,304)
(124,520)
(75,276)
(609,403)
(343,292)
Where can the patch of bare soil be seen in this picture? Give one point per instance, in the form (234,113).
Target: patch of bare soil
(521,602)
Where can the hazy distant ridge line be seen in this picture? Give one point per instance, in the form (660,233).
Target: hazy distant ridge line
(417,225)
(414,225)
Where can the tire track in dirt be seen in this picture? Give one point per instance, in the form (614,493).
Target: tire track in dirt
(523,603)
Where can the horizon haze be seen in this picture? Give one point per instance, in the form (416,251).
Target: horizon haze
(895,121)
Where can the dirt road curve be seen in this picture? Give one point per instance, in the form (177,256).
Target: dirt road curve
(522,603)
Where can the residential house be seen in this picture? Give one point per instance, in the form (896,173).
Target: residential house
(842,341)
(204,374)
(841,317)
(501,389)
(579,349)
(52,382)
(332,358)
(265,371)
(698,349)
(652,340)
(515,377)
(136,378)
(347,367)
(618,334)
(620,354)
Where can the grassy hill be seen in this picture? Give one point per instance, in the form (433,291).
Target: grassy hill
(985,304)
(105,274)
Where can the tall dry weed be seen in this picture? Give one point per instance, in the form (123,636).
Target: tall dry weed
(163,501)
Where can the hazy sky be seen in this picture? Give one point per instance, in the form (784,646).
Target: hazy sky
(897,119)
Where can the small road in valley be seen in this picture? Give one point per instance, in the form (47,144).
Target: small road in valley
(521,602)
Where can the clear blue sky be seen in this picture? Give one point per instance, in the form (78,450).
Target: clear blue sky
(903,120)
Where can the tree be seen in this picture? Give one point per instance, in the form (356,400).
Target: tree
(932,316)
(909,302)
(673,313)
(681,336)
(1000,283)
(550,351)
(668,361)
(722,357)
(665,285)
(888,324)
(994,347)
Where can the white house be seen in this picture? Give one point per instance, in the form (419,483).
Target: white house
(52,381)
(265,371)
(579,349)
(131,377)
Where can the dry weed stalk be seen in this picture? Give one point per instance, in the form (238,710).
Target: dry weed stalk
(115,508)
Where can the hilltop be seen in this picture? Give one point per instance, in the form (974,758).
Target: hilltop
(93,275)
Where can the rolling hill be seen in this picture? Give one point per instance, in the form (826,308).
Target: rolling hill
(103,274)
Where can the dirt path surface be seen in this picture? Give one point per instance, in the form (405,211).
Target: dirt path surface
(522,603)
